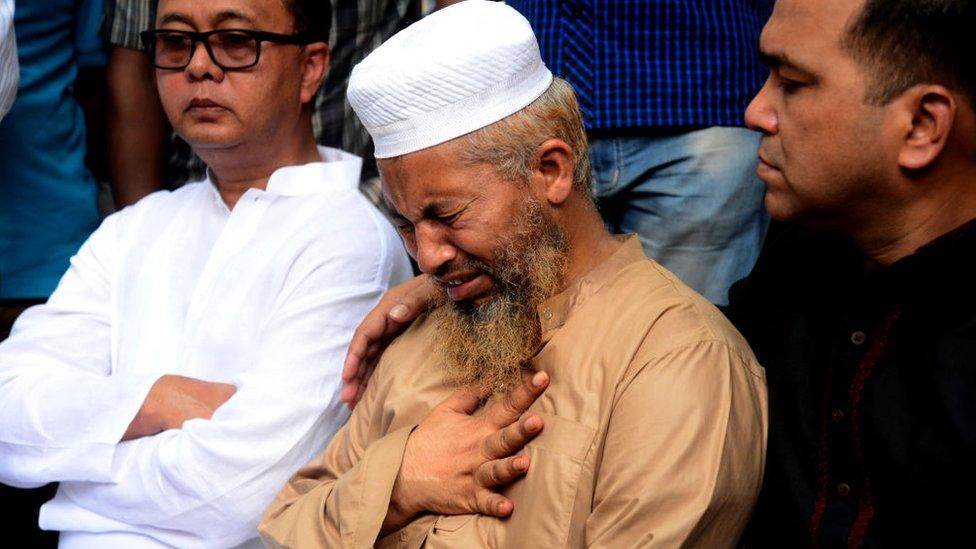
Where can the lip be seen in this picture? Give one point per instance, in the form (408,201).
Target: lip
(474,285)
(767,163)
(205,104)
(766,171)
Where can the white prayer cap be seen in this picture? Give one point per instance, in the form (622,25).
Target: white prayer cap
(455,71)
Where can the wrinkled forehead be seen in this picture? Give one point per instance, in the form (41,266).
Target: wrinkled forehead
(434,175)
(263,14)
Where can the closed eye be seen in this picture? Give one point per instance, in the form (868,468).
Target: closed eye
(789,86)
(448,219)
(401,223)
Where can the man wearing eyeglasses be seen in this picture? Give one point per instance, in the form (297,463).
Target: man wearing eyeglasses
(188,361)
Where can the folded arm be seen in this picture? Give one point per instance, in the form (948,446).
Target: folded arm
(62,410)
(212,478)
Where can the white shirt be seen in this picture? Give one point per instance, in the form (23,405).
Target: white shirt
(9,74)
(265,297)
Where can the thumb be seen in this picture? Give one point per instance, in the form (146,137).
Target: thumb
(467,399)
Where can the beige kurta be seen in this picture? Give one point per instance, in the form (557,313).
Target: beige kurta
(655,431)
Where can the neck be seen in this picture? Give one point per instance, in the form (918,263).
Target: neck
(590,242)
(922,221)
(236,169)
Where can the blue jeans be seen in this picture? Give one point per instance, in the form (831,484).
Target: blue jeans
(693,198)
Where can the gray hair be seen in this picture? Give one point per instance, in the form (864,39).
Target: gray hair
(510,144)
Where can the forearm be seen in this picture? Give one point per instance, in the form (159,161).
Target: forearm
(137,130)
(63,406)
(75,439)
(334,503)
(211,479)
(398,514)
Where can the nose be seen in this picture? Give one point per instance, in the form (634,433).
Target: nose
(761,113)
(434,249)
(202,65)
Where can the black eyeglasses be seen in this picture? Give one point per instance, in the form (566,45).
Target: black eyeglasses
(230,49)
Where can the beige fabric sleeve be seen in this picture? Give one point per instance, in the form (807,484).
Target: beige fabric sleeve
(684,452)
(341,497)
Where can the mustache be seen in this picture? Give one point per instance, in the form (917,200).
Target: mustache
(492,343)
(461,266)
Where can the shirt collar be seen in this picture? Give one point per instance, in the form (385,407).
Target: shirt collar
(554,312)
(945,263)
(336,168)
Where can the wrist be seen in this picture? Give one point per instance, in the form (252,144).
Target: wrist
(144,424)
(400,512)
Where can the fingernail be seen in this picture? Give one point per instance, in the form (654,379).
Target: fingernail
(399,312)
(538,379)
(521,464)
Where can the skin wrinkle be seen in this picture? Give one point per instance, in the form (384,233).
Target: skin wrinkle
(491,343)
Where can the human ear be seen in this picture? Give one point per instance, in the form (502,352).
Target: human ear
(554,170)
(932,113)
(314,68)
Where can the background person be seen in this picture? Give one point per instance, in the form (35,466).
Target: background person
(148,156)
(864,318)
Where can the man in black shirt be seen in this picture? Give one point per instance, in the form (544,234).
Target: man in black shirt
(865,318)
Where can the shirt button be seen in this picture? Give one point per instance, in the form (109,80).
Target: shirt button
(843,489)
(858,337)
(837,415)
(547,313)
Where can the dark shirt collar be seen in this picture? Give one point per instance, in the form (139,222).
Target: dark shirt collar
(938,266)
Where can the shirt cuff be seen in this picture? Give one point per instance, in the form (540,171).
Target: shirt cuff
(372,481)
(127,392)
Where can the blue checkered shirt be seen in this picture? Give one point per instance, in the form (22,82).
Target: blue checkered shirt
(653,63)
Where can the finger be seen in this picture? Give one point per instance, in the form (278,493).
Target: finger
(398,307)
(413,298)
(359,349)
(349,393)
(364,380)
(500,472)
(508,408)
(513,438)
(372,357)
(466,399)
(493,504)
(371,331)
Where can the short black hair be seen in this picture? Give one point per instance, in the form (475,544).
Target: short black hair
(313,18)
(903,43)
